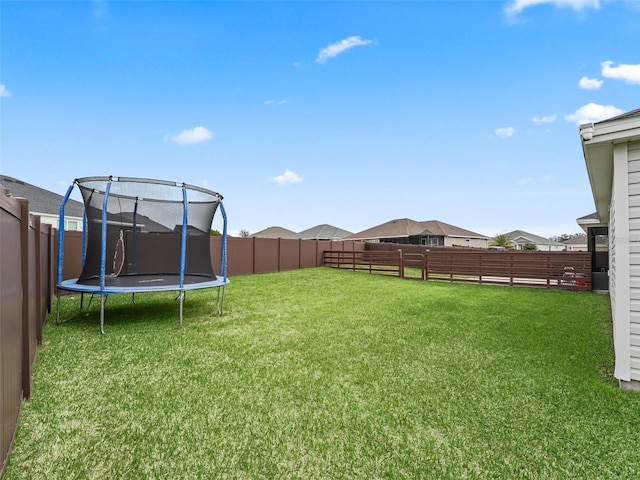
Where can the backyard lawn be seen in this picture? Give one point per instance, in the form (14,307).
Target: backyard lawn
(331,374)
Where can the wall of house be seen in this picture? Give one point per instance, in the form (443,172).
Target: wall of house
(466,242)
(54,220)
(613,258)
(633,159)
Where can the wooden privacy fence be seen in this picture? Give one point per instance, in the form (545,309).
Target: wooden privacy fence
(26,285)
(564,270)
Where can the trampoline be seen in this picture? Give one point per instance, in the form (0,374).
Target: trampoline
(143,235)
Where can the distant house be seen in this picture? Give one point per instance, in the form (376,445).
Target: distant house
(611,150)
(431,232)
(520,238)
(324,232)
(275,232)
(46,204)
(577,244)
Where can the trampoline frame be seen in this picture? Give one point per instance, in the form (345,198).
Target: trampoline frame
(185,282)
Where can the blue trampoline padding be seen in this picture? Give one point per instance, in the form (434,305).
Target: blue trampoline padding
(144,284)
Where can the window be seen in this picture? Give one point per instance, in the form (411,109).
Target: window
(70,225)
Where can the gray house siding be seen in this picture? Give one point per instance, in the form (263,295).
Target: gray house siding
(634,257)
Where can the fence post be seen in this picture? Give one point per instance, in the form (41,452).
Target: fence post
(511,270)
(253,255)
(38,260)
(425,265)
(400,263)
(24,265)
(279,255)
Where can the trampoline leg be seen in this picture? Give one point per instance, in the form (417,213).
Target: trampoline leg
(102,299)
(133,298)
(81,300)
(181,296)
(58,308)
(221,300)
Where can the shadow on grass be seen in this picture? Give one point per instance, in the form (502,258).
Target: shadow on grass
(160,309)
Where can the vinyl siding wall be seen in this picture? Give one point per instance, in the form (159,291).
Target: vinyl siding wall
(612,264)
(633,153)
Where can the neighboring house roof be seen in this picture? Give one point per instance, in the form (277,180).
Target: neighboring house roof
(520,236)
(275,232)
(582,240)
(579,240)
(436,227)
(598,142)
(405,227)
(41,201)
(324,232)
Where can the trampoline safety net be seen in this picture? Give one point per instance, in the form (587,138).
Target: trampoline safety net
(143,231)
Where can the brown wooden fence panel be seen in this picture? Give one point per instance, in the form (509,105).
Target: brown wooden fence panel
(72,267)
(239,256)
(564,270)
(322,246)
(289,252)
(10,321)
(30,301)
(380,262)
(266,255)
(42,275)
(308,255)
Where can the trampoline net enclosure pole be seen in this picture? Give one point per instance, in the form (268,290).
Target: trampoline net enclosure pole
(103,241)
(183,238)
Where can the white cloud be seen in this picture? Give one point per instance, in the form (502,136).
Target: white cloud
(514,7)
(3,91)
(505,132)
(275,102)
(195,135)
(590,83)
(287,177)
(342,46)
(592,112)
(628,73)
(532,180)
(543,120)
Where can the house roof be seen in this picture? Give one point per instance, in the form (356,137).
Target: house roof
(275,232)
(405,227)
(324,232)
(590,220)
(436,227)
(598,142)
(41,201)
(520,236)
(577,240)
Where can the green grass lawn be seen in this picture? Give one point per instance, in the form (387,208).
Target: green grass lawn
(326,373)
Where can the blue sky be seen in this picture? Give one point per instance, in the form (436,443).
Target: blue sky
(301,113)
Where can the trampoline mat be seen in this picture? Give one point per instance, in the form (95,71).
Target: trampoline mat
(142,283)
(160,280)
